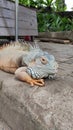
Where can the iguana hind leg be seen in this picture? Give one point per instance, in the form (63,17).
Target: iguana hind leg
(22,75)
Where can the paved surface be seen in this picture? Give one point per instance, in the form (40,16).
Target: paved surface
(47,108)
(3,125)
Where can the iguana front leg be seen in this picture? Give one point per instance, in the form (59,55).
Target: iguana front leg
(22,75)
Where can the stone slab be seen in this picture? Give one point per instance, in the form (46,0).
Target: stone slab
(40,108)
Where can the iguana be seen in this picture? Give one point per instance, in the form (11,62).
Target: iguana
(28,63)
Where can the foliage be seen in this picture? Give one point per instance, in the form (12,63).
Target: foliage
(39,4)
(59,5)
(54,22)
(28,2)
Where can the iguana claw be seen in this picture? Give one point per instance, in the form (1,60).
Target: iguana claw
(39,82)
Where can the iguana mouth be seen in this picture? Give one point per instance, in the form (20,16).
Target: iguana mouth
(37,75)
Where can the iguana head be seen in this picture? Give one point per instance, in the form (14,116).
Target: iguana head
(40,64)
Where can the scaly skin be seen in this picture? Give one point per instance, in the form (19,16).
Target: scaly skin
(29,64)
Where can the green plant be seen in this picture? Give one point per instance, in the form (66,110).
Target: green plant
(59,5)
(54,22)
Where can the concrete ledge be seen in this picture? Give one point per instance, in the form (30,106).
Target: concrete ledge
(57,35)
(24,107)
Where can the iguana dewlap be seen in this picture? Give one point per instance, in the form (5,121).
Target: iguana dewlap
(30,64)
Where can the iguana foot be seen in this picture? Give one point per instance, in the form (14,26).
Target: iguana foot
(39,82)
(22,75)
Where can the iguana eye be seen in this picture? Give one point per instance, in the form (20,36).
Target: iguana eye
(43,60)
